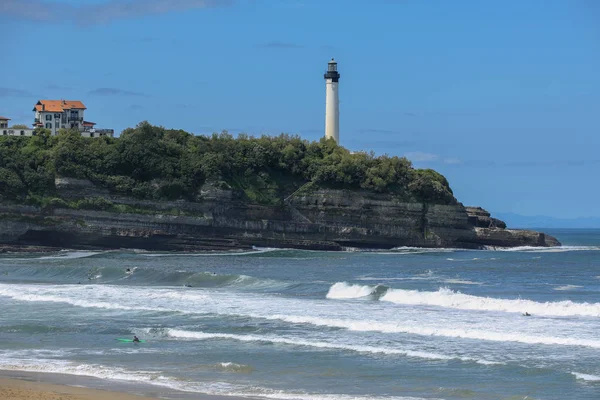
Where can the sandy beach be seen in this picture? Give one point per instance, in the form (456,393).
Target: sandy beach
(18,389)
(20,385)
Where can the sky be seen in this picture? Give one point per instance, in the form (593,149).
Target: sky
(502,97)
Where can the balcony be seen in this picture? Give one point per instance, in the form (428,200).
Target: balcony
(75,118)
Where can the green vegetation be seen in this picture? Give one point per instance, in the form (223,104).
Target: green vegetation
(150,162)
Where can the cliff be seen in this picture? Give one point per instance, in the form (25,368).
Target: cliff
(319,219)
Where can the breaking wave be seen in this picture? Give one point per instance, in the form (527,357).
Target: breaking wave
(533,249)
(586,377)
(459,333)
(448,298)
(213,254)
(343,290)
(194,335)
(445,297)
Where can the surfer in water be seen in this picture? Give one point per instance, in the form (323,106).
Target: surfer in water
(135,339)
(526,314)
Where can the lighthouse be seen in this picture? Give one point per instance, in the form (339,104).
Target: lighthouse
(332,102)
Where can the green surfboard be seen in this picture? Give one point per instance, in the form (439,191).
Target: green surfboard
(130,340)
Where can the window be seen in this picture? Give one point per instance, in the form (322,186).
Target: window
(22,133)
(4,133)
(48,117)
(92,134)
(48,126)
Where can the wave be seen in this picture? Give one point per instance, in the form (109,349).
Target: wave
(68,255)
(203,254)
(15,293)
(343,290)
(140,276)
(196,335)
(55,256)
(418,250)
(462,282)
(425,276)
(355,318)
(533,249)
(448,298)
(234,367)
(158,379)
(567,287)
(459,333)
(586,377)
(445,297)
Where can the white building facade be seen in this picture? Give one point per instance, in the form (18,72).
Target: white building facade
(6,131)
(59,114)
(66,114)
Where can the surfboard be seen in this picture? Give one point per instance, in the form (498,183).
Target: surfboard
(129,340)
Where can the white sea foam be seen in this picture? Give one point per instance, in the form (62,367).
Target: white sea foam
(65,255)
(231,253)
(343,290)
(462,282)
(567,287)
(463,333)
(23,295)
(586,377)
(408,278)
(334,314)
(560,249)
(419,250)
(158,379)
(445,297)
(294,341)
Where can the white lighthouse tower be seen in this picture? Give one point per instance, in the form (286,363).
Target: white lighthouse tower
(332,102)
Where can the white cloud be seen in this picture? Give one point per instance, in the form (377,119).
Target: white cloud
(452,161)
(55,11)
(417,156)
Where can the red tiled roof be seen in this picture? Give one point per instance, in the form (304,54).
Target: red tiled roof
(58,105)
(4,119)
(87,123)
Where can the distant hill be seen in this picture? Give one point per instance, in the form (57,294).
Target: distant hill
(541,221)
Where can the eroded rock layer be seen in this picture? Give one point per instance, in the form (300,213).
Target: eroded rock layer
(320,220)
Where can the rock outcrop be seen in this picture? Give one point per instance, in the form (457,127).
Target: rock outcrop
(220,220)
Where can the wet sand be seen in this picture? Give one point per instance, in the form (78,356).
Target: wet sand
(17,385)
(18,389)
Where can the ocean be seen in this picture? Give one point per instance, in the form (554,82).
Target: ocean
(288,324)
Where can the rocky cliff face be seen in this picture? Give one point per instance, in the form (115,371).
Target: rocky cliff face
(320,219)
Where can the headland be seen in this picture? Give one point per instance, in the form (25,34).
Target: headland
(159,189)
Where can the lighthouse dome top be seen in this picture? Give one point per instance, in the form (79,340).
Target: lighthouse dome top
(332,61)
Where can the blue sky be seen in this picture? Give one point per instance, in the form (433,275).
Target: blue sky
(502,97)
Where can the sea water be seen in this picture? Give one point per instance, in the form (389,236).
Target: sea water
(289,324)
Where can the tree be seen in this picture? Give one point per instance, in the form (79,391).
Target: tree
(151,162)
